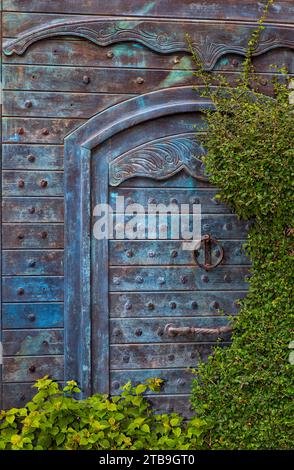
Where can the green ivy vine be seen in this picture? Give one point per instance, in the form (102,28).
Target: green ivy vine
(245,392)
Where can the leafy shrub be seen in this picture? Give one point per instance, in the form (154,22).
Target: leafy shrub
(245,392)
(55,419)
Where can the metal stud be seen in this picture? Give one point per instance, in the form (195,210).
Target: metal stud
(43,235)
(174,201)
(32,369)
(20,130)
(214,305)
(184,279)
(45,342)
(176,60)
(171,357)
(206,227)
(263,81)
(138,332)
(173,305)
(32,317)
(194,305)
(128,306)
(31,158)
(193,355)
(109,55)
(32,210)
(116,281)
(151,254)
(43,183)
(28,104)
(204,278)
(227,278)
(150,306)
(20,291)
(130,253)
(160,331)
(174,254)
(86,79)
(20,236)
(45,131)
(116,385)
(32,263)
(235,63)
(139,280)
(21,183)
(126,358)
(228,227)
(140,80)
(117,332)
(161,280)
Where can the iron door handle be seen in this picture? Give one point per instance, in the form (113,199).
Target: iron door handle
(208,242)
(172,331)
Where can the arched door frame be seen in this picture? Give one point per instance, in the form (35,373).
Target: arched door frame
(79,146)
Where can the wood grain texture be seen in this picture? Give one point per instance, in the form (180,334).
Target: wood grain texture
(31,368)
(157,304)
(16,209)
(32,157)
(282,11)
(32,342)
(32,289)
(133,356)
(105,80)
(28,183)
(32,315)
(37,130)
(61,105)
(33,236)
(32,263)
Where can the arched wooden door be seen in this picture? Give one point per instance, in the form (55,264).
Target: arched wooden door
(139,297)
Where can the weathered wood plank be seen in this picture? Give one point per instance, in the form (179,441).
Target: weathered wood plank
(32,157)
(32,289)
(61,105)
(149,356)
(108,80)
(29,183)
(17,394)
(205,197)
(30,368)
(16,209)
(156,304)
(129,278)
(165,252)
(175,380)
(281,11)
(33,263)
(152,330)
(32,342)
(41,130)
(29,236)
(85,54)
(49,315)
(172,403)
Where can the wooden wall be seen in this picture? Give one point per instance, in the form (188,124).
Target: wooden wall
(49,91)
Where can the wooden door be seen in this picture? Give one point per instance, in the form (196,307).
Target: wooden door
(142,286)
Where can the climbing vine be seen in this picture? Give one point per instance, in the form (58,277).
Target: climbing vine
(244,391)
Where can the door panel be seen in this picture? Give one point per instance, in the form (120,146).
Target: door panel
(145,284)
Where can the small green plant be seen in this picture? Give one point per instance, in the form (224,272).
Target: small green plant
(55,419)
(245,392)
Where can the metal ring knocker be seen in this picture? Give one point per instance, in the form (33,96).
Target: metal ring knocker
(208,242)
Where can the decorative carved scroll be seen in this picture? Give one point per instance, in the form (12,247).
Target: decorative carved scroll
(210,39)
(159,159)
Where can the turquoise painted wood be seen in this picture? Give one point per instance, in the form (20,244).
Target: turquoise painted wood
(80,113)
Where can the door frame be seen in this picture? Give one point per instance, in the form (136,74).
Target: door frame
(79,146)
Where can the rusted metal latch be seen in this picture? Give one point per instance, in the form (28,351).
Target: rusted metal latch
(172,330)
(208,242)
